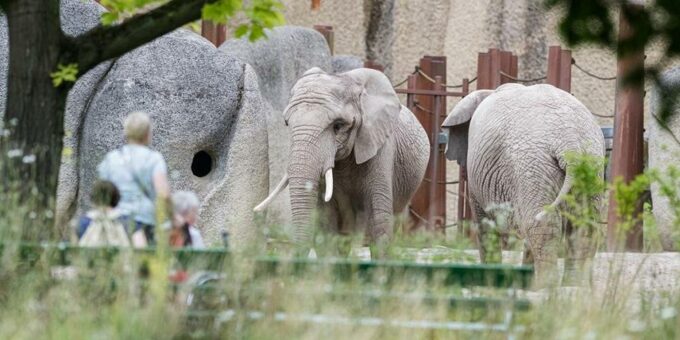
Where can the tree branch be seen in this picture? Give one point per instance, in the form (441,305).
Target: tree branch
(106,42)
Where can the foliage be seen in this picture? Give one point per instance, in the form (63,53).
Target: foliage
(591,23)
(588,186)
(627,198)
(68,73)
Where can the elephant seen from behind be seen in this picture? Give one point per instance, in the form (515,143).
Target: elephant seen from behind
(350,129)
(514,142)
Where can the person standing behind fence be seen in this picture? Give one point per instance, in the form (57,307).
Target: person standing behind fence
(140,174)
(186,204)
(102,226)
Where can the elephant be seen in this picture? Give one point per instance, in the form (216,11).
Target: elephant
(513,141)
(352,129)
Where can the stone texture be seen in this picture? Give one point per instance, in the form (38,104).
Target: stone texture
(199,100)
(379,16)
(344,63)
(278,62)
(663,152)
(4,63)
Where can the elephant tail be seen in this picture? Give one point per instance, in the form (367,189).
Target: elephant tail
(564,191)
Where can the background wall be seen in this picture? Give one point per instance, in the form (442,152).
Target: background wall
(459,29)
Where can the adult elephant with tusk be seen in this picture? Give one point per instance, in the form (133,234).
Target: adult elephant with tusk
(351,129)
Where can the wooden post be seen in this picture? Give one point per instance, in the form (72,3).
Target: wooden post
(217,34)
(627,152)
(327,32)
(559,68)
(429,205)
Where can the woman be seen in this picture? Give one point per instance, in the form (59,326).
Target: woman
(140,174)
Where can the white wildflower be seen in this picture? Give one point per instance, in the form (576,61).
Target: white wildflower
(309,186)
(5,133)
(14,153)
(28,159)
(32,215)
(49,214)
(14,122)
(668,312)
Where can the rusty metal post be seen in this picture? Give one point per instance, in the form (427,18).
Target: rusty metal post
(373,65)
(423,201)
(559,68)
(434,153)
(316,4)
(464,210)
(327,32)
(216,33)
(628,148)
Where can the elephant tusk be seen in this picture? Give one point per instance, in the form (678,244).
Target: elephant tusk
(329,185)
(282,185)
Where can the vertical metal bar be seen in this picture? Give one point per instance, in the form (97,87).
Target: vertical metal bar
(565,70)
(513,66)
(506,60)
(483,68)
(495,64)
(464,213)
(411,98)
(327,32)
(554,59)
(627,153)
(420,202)
(373,65)
(216,34)
(434,151)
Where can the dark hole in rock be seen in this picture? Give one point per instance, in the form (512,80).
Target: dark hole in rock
(202,164)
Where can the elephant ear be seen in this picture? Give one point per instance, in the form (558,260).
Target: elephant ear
(379,106)
(458,123)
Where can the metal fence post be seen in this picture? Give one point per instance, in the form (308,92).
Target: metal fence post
(216,33)
(327,32)
(373,65)
(559,68)
(424,202)
(627,152)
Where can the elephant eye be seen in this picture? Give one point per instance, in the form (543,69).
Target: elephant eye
(337,126)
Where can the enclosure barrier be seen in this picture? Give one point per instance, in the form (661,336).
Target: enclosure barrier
(210,299)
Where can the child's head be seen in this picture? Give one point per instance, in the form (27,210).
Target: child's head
(105,194)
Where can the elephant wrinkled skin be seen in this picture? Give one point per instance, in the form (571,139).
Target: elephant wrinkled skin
(351,129)
(513,141)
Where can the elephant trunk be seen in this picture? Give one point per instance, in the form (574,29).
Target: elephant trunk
(310,158)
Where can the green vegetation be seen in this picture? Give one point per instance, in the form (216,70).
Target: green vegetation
(130,295)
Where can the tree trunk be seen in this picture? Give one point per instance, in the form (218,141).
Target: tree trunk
(35,108)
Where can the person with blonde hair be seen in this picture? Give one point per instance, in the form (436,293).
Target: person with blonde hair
(141,176)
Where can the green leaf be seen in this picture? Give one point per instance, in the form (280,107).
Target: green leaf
(68,73)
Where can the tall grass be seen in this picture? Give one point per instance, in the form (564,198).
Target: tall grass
(131,297)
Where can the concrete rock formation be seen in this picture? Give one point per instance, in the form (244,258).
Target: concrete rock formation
(279,60)
(663,152)
(344,63)
(208,123)
(208,115)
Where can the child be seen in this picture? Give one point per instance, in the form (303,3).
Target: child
(102,226)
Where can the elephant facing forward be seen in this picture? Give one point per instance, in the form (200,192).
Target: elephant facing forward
(513,141)
(351,129)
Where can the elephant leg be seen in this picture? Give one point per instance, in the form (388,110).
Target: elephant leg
(380,228)
(542,238)
(580,249)
(488,241)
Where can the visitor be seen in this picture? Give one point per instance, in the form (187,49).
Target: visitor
(141,176)
(102,225)
(186,234)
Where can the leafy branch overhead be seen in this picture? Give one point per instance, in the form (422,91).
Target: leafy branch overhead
(131,23)
(592,23)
